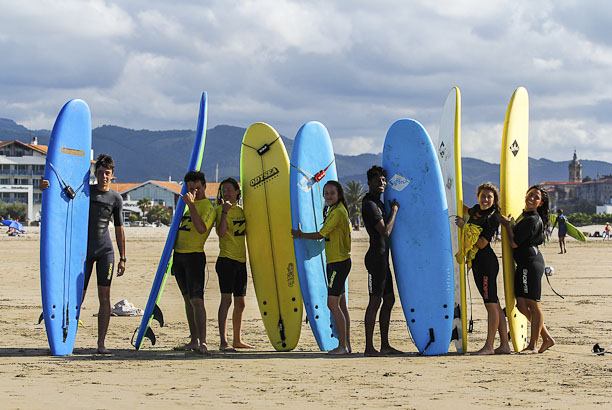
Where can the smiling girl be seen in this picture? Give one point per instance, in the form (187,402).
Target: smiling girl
(485,267)
(336,231)
(526,235)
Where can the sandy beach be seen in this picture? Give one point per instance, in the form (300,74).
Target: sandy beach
(567,376)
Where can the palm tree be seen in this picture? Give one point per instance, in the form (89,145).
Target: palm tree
(144,204)
(354,192)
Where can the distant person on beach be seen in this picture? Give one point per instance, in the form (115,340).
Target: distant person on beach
(485,267)
(526,235)
(103,203)
(231,263)
(606,231)
(336,231)
(380,284)
(561,221)
(189,260)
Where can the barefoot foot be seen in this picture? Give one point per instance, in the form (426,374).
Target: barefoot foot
(484,351)
(390,351)
(503,350)
(241,345)
(547,344)
(340,350)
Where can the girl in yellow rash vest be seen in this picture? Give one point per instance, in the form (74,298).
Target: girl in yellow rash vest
(231,263)
(336,231)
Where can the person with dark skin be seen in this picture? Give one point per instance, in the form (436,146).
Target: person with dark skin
(380,283)
(104,203)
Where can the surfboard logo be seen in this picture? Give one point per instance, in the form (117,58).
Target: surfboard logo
(398,182)
(71,151)
(514,148)
(290,275)
(263,177)
(442,150)
(449,183)
(306,183)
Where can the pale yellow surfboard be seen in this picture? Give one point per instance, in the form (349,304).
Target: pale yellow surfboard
(514,181)
(264,173)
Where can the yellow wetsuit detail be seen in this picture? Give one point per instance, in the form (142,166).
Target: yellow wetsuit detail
(188,239)
(337,233)
(232,245)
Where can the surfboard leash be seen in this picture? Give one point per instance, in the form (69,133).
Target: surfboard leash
(551,288)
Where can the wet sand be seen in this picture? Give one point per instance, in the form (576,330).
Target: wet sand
(567,376)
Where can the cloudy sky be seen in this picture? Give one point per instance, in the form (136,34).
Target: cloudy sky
(357,66)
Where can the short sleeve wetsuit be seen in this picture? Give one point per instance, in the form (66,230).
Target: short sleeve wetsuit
(337,233)
(231,263)
(377,256)
(561,222)
(102,205)
(528,234)
(485,265)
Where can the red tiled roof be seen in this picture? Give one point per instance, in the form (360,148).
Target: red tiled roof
(40,148)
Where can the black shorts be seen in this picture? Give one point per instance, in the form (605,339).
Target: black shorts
(188,269)
(380,282)
(485,268)
(337,272)
(528,275)
(104,269)
(232,276)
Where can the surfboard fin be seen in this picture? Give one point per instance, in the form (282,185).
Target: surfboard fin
(158,315)
(41,317)
(151,336)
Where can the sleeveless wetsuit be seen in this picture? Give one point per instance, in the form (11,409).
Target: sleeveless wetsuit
(528,234)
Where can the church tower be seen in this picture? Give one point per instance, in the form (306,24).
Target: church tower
(575,170)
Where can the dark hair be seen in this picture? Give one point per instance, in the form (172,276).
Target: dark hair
(559,211)
(543,209)
(105,161)
(195,176)
(490,187)
(341,198)
(220,191)
(376,171)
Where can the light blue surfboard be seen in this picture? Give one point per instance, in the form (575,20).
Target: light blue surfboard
(421,247)
(63,234)
(152,310)
(312,165)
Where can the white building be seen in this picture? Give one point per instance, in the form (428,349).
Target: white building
(21,167)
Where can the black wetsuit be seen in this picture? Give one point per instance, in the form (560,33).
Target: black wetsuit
(485,266)
(377,256)
(102,205)
(528,234)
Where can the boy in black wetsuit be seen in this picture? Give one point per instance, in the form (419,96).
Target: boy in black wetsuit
(103,203)
(380,283)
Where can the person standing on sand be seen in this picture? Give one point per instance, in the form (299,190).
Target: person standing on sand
(336,231)
(103,203)
(231,263)
(189,260)
(485,266)
(525,236)
(606,231)
(380,283)
(561,220)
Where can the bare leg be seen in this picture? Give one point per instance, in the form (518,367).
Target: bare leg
(199,316)
(493,324)
(504,345)
(239,305)
(385,320)
(224,305)
(193,334)
(334,307)
(370,322)
(103,316)
(344,308)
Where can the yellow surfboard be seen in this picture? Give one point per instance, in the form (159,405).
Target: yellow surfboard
(514,181)
(264,173)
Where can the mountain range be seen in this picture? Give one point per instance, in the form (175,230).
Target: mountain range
(141,155)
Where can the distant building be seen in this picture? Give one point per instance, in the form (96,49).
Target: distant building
(21,166)
(598,191)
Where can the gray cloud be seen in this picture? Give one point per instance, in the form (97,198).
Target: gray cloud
(355,66)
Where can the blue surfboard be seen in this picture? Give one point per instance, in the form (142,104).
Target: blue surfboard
(63,234)
(152,310)
(312,165)
(420,241)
